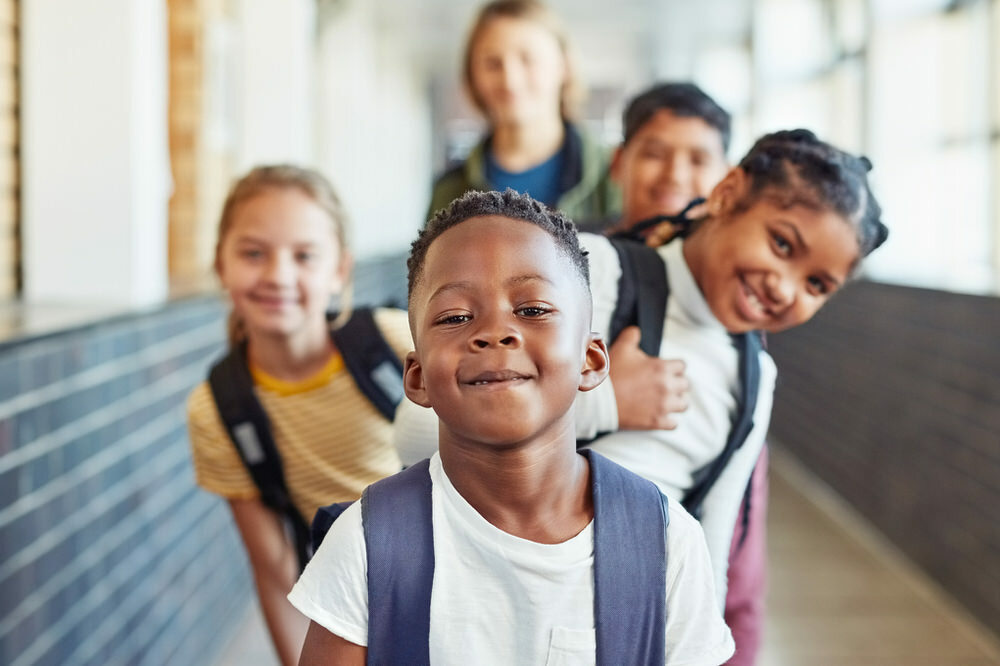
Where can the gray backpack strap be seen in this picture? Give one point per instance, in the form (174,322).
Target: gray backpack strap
(630,565)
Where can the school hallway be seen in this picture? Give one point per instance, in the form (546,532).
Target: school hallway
(839,595)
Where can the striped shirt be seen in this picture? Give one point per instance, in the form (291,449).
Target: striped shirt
(332,441)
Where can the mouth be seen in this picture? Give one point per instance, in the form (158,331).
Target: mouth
(496,378)
(751,306)
(274,301)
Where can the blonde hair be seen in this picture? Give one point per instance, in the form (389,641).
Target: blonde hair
(285,176)
(571,95)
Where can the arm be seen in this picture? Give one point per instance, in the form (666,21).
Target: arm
(324,647)
(643,391)
(275,569)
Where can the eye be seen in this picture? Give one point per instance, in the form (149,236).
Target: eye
(781,244)
(818,286)
(304,257)
(452,319)
(533,311)
(251,253)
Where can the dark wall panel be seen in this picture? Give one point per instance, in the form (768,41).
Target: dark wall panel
(892,396)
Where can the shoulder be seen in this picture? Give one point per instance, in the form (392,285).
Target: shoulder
(201,409)
(332,590)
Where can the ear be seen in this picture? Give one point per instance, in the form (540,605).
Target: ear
(729,192)
(413,380)
(342,272)
(596,364)
(615,169)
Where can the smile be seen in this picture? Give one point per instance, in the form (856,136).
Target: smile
(496,378)
(753,308)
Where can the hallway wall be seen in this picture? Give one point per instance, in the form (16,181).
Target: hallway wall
(891,396)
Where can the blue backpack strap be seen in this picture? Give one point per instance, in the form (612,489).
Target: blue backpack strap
(630,565)
(399,537)
(373,364)
(748,346)
(250,430)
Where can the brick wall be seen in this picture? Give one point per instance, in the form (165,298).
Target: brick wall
(9,151)
(108,551)
(892,396)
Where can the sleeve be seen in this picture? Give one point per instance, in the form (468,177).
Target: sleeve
(722,504)
(333,589)
(697,635)
(217,465)
(597,410)
(395,327)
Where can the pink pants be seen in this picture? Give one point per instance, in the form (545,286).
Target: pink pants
(748,572)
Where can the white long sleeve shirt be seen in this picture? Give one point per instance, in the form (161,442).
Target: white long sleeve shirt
(669,458)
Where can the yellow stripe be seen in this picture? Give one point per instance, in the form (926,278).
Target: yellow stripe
(283,387)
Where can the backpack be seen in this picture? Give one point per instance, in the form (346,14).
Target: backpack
(642,300)
(630,563)
(375,369)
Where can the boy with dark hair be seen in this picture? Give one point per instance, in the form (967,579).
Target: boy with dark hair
(675,139)
(539,552)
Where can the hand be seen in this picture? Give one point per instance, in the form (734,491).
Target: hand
(649,390)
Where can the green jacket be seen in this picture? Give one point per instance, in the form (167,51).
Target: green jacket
(587,190)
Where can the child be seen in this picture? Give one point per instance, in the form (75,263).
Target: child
(281,255)
(784,230)
(519,74)
(500,314)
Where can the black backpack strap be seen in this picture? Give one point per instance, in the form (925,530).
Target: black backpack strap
(642,294)
(748,346)
(373,364)
(250,430)
(630,565)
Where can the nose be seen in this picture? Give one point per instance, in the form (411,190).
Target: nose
(495,333)
(675,169)
(280,269)
(780,289)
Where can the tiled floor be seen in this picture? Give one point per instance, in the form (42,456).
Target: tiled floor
(839,596)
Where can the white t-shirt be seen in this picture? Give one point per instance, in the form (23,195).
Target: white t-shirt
(500,599)
(669,458)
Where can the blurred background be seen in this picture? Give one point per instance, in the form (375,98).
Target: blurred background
(123,123)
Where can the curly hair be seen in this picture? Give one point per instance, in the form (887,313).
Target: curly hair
(795,167)
(509,204)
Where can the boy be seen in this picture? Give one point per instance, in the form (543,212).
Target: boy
(500,313)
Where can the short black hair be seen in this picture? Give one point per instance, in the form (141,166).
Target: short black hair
(505,204)
(798,168)
(682,99)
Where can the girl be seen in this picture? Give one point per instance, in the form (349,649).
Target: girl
(784,230)
(281,255)
(519,74)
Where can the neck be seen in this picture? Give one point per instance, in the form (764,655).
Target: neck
(291,358)
(518,147)
(538,491)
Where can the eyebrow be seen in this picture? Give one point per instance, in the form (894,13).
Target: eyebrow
(464,285)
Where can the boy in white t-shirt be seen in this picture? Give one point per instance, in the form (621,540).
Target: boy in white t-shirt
(523,571)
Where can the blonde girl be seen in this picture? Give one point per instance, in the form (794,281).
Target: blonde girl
(519,73)
(281,257)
